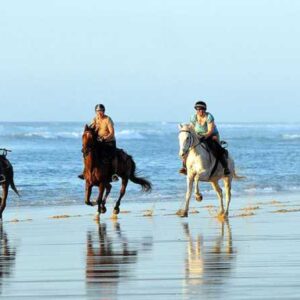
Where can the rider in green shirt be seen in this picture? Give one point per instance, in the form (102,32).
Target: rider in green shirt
(204,125)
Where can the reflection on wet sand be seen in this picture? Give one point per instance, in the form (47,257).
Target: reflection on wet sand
(208,262)
(7,257)
(109,260)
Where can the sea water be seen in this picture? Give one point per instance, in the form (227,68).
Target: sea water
(47,159)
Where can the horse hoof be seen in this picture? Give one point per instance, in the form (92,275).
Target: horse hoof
(89,203)
(199,198)
(182,213)
(97,217)
(116,211)
(103,209)
(114,216)
(222,216)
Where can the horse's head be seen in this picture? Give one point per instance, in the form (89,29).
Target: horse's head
(88,140)
(186,138)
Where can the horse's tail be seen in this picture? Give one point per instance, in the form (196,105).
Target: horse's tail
(146,185)
(238,177)
(12,184)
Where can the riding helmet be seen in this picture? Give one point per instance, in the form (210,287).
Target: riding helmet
(100,107)
(200,104)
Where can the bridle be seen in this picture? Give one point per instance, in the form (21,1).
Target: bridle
(87,150)
(191,142)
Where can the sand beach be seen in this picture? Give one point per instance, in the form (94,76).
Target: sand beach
(62,252)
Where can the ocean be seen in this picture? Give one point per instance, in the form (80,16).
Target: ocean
(47,159)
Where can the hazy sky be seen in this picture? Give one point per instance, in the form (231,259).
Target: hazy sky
(149,60)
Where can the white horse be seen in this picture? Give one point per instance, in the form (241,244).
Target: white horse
(201,166)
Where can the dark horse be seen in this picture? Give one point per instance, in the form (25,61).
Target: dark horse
(98,171)
(7,179)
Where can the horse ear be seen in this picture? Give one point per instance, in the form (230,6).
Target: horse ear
(86,127)
(179,126)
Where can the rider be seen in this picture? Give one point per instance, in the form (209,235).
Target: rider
(104,126)
(204,125)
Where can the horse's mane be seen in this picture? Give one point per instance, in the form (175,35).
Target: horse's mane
(188,127)
(91,130)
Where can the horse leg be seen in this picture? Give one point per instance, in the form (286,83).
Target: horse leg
(107,191)
(184,213)
(101,205)
(122,193)
(198,195)
(3,198)
(88,191)
(227,184)
(218,190)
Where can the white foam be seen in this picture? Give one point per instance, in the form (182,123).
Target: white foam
(291,136)
(129,134)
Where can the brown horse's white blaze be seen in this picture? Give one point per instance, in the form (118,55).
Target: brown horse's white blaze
(200,163)
(98,173)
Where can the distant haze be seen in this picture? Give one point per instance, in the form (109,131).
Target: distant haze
(149,60)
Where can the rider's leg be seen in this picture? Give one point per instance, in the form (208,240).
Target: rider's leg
(219,152)
(183,169)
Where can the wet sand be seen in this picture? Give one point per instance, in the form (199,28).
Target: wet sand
(58,253)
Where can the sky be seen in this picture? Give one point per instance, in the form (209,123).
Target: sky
(150,60)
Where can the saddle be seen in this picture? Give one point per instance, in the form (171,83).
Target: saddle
(222,151)
(120,153)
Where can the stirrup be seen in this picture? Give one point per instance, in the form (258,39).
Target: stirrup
(2,178)
(183,171)
(114,177)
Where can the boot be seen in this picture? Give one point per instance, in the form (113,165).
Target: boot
(183,170)
(224,164)
(81,176)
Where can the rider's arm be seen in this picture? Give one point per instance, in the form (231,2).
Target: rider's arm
(111,130)
(210,129)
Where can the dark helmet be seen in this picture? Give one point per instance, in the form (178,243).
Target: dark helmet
(100,107)
(200,104)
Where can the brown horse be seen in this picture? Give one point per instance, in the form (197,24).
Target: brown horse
(7,179)
(98,171)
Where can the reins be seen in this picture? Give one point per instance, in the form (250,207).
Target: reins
(191,146)
(201,143)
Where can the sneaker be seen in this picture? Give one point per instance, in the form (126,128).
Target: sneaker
(2,178)
(81,176)
(183,171)
(226,172)
(114,177)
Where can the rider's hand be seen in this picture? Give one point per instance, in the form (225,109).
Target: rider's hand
(201,138)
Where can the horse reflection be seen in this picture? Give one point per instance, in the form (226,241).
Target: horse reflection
(208,262)
(108,261)
(7,257)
